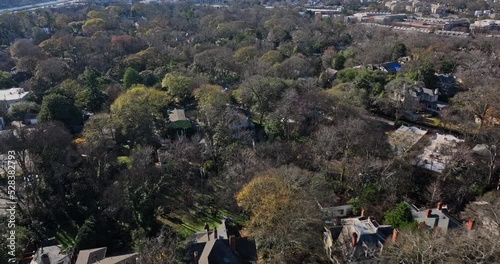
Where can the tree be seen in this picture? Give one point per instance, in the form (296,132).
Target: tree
(178,86)
(19,110)
(272,57)
(93,25)
(339,62)
(295,67)
(211,97)
(91,99)
(260,94)
(60,108)
(131,76)
(69,88)
(400,217)
(477,102)
(398,51)
(139,112)
(398,97)
(6,80)
(160,249)
(423,72)
(244,54)
(283,216)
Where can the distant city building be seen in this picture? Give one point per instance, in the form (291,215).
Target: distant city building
(486,24)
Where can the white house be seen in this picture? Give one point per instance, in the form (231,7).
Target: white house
(12,95)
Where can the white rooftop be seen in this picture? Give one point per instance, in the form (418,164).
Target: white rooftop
(439,153)
(12,94)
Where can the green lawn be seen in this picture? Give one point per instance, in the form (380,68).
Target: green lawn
(189,221)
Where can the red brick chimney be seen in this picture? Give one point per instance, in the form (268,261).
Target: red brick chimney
(196,257)
(428,213)
(439,206)
(470,224)
(354,239)
(395,233)
(363,212)
(215,232)
(232,243)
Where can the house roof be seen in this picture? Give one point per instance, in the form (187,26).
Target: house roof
(177,115)
(119,259)
(12,94)
(370,237)
(54,253)
(437,155)
(391,66)
(215,251)
(437,218)
(218,252)
(404,138)
(91,255)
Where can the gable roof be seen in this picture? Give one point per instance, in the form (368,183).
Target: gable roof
(89,256)
(218,252)
(215,251)
(123,259)
(404,138)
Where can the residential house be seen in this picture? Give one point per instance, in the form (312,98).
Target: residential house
(222,245)
(438,9)
(390,67)
(404,138)
(98,256)
(429,98)
(396,6)
(331,214)
(418,7)
(51,254)
(89,256)
(12,95)
(437,219)
(439,152)
(415,97)
(178,122)
(486,24)
(356,240)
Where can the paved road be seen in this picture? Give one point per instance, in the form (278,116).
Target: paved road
(37,6)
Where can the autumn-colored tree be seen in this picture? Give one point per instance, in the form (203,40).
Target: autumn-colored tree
(283,215)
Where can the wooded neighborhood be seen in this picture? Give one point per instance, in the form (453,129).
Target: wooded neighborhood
(250,132)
